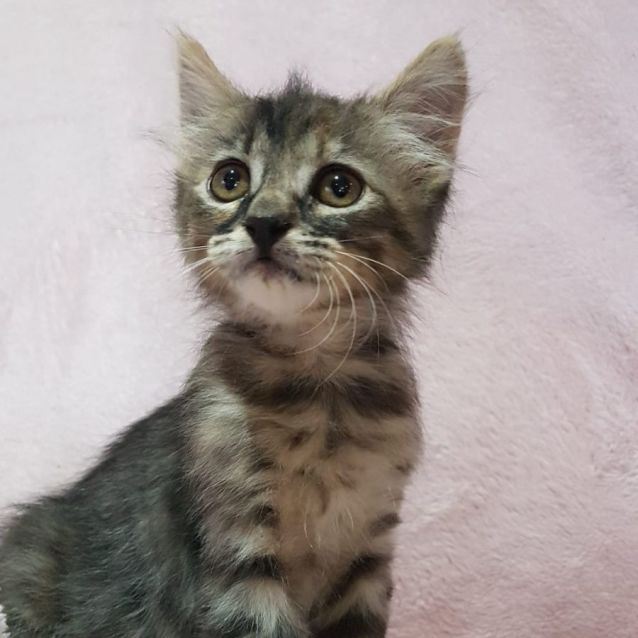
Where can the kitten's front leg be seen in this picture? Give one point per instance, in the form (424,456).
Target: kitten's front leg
(251,600)
(246,593)
(358,605)
(256,607)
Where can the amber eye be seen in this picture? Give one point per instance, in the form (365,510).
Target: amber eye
(230,181)
(338,187)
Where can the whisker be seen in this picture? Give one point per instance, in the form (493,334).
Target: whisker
(144,231)
(312,240)
(344,241)
(373,270)
(376,292)
(206,275)
(202,277)
(353,318)
(332,328)
(196,264)
(374,324)
(375,261)
(330,306)
(315,296)
(189,249)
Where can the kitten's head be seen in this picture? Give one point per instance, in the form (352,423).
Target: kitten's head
(288,201)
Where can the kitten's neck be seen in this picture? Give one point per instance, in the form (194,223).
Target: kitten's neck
(258,361)
(322,332)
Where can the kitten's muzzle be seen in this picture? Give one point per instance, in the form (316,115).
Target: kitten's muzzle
(266,232)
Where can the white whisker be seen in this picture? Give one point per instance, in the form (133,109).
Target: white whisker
(332,328)
(202,277)
(353,318)
(374,323)
(317,291)
(344,241)
(374,261)
(188,249)
(376,292)
(197,264)
(330,305)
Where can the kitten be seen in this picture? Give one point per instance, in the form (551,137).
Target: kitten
(262,500)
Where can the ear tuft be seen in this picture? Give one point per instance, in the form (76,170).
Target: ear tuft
(203,89)
(432,93)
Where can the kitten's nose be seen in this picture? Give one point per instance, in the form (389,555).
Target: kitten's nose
(266,232)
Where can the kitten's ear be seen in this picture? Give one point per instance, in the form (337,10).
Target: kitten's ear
(203,89)
(431,94)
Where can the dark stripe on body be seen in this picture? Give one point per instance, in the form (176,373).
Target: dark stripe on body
(366,566)
(264,515)
(404,468)
(384,524)
(266,567)
(368,397)
(355,625)
(378,346)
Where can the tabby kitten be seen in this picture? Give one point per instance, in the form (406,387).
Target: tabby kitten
(262,500)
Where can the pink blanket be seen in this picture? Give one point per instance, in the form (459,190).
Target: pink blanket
(524,520)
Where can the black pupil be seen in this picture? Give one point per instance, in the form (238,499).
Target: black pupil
(340,185)
(231,178)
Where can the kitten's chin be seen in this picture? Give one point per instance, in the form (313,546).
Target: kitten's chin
(271,297)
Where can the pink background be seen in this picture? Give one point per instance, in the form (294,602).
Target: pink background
(524,520)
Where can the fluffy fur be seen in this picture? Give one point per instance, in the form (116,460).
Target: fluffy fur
(262,500)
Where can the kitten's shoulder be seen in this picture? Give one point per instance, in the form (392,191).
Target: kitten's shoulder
(125,501)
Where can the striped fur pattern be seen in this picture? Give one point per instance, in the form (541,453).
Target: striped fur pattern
(262,500)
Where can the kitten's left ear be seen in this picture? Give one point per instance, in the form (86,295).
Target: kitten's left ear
(204,91)
(431,94)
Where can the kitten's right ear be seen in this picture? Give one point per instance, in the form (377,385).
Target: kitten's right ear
(203,89)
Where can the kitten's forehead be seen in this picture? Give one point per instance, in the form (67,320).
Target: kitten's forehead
(292,135)
(296,124)
(293,113)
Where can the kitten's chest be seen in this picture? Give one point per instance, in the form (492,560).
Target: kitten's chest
(331,482)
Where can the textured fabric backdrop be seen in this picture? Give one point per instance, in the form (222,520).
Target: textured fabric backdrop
(523,522)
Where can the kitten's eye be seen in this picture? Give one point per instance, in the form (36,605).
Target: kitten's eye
(230,181)
(338,187)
